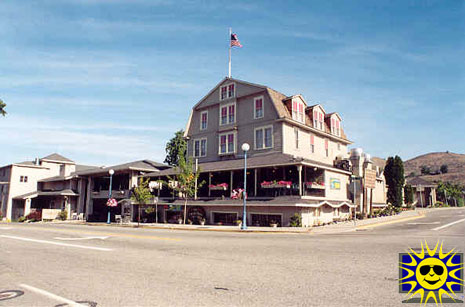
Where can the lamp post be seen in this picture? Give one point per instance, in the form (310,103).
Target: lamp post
(111,172)
(245,148)
(354,178)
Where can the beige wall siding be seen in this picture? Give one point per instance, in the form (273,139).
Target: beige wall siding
(379,192)
(304,150)
(336,194)
(244,126)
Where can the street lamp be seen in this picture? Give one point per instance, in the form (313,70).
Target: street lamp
(245,148)
(111,172)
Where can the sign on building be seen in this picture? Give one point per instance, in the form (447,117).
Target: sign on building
(370,178)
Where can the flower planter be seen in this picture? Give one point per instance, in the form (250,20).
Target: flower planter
(273,225)
(312,185)
(218,188)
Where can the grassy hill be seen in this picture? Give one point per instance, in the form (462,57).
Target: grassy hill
(455,164)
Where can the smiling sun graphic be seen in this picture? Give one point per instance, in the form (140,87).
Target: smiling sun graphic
(431,274)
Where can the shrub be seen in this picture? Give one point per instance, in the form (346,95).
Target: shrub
(22,219)
(63,215)
(296,220)
(460,202)
(34,216)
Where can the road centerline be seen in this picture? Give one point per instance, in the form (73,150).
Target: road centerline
(448,225)
(57,243)
(50,295)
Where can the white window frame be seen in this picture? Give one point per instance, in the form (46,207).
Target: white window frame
(298,115)
(201,114)
(200,148)
(235,143)
(255,107)
(227,105)
(296,137)
(263,136)
(227,91)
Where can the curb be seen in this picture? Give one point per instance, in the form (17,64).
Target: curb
(419,216)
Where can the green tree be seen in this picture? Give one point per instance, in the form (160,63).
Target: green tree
(425,170)
(394,173)
(444,169)
(184,183)
(141,195)
(408,194)
(176,148)
(2,108)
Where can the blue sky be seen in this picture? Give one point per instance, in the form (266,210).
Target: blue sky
(110,81)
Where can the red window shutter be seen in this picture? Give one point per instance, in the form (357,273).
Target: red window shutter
(294,106)
(301,108)
(321,117)
(312,139)
(337,124)
(326,144)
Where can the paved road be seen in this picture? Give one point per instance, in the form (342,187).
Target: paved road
(115,266)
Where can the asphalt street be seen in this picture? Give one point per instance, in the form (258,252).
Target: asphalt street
(57,265)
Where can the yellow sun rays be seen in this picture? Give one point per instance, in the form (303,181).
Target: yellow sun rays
(453,269)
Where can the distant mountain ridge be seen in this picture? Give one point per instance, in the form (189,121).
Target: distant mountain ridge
(455,163)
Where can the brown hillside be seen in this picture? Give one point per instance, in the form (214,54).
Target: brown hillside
(455,163)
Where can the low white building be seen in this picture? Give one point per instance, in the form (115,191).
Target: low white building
(18,182)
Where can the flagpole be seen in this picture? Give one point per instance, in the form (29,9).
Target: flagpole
(229,41)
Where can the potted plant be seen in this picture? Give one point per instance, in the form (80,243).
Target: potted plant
(238,222)
(273,224)
(202,221)
(179,220)
(189,222)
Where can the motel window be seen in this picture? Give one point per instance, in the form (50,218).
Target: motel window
(338,146)
(228,114)
(258,103)
(321,121)
(298,111)
(327,148)
(338,131)
(203,120)
(315,119)
(264,137)
(227,143)
(296,136)
(25,178)
(312,143)
(200,148)
(227,91)
(21,179)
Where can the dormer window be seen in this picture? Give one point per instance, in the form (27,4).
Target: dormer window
(335,127)
(298,111)
(321,121)
(228,114)
(258,110)
(227,91)
(204,120)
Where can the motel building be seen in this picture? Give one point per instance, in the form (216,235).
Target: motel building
(297,163)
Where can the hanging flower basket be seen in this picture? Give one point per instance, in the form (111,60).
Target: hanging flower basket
(111,202)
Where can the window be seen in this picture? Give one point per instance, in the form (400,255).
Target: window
(264,137)
(338,131)
(203,120)
(200,148)
(258,103)
(25,178)
(312,143)
(228,114)
(338,146)
(321,121)
(335,126)
(21,179)
(298,111)
(296,135)
(227,91)
(227,143)
(327,148)
(315,119)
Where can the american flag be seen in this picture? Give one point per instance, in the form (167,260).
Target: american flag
(235,41)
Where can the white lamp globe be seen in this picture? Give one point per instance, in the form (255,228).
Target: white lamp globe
(111,172)
(245,147)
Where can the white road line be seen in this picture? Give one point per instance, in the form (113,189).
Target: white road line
(447,225)
(50,295)
(426,223)
(57,243)
(79,239)
(6,228)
